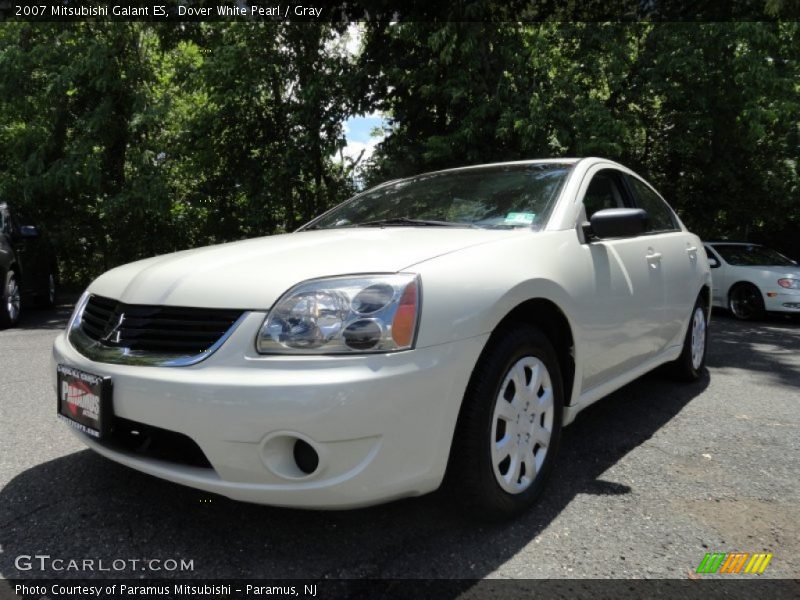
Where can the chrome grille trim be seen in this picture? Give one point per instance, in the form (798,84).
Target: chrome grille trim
(97,351)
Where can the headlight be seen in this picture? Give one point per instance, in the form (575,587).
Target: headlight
(791,284)
(354,314)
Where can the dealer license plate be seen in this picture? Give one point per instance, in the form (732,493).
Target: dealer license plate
(84,400)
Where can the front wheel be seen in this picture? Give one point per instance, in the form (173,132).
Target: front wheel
(510,425)
(690,364)
(10,301)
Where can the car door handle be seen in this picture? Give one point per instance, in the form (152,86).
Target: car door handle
(653,258)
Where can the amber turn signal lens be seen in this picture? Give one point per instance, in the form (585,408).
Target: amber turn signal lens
(406,316)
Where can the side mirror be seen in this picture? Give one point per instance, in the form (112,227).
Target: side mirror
(616,223)
(29,231)
(713,262)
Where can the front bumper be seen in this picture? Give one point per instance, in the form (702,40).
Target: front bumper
(784,300)
(381,424)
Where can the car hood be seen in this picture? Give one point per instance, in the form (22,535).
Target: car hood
(253,274)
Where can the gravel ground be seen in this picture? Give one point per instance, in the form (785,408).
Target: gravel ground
(648,480)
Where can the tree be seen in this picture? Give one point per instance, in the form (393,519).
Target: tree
(80,136)
(127,140)
(708,111)
(267,117)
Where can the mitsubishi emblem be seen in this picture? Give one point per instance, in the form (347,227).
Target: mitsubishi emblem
(113,334)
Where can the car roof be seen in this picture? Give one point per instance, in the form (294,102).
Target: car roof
(536,161)
(731,243)
(511,163)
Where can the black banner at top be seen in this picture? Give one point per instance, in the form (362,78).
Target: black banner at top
(399,10)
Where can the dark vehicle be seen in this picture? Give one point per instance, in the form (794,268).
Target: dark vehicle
(27,268)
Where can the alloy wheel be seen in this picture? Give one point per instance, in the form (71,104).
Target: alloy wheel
(13,300)
(745,302)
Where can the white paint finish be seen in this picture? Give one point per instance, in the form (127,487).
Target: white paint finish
(628,303)
(254,273)
(764,278)
(407,403)
(630,289)
(683,265)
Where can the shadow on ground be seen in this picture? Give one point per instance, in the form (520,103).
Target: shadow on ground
(39,319)
(764,346)
(82,505)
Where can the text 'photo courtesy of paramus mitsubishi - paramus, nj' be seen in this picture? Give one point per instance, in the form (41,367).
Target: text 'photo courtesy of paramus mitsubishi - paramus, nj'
(436,329)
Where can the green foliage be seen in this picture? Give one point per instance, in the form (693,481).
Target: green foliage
(80,133)
(709,111)
(126,140)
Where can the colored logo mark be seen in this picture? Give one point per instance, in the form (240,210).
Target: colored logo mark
(734,562)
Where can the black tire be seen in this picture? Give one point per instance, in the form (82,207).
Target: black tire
(686,368)
(9,307)
(471,479)
(745,302)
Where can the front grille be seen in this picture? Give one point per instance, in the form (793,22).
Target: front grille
(161,329)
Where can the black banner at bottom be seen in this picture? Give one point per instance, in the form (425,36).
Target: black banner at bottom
(325,589)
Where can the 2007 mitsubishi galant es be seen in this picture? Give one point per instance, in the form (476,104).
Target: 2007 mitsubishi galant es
(436,329)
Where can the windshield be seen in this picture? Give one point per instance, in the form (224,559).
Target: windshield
(740,255)
(491,197)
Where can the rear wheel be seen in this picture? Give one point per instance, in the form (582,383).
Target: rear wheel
(510,425)
(10,301)
(745,302)
(690,364)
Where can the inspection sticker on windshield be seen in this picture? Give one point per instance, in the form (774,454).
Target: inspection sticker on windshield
(520,218)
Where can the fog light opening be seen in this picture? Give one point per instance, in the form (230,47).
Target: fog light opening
(305,457)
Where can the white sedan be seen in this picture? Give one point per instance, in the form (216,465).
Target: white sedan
(750,279)
(440,328)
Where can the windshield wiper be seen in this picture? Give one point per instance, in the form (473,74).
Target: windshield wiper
(405,221)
